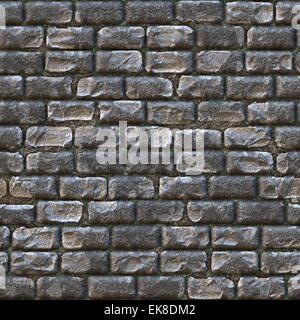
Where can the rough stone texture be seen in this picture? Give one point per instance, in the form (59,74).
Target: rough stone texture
(73,227)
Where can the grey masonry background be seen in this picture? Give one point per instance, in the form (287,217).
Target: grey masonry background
(73,228)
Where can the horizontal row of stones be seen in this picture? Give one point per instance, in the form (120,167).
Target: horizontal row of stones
(243,162)
(168,287)
(151,87)
(146,262)
(131,61)
(145,12)
(217,114)
(286,137)
(132,37)
(141,237)
(156,212)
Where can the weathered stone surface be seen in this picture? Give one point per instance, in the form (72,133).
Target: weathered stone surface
(280,262)
(281,237)
(18,288)
(210,211)
(69,62)
(210,288)
(13,12)
(148,88)
(235,237)
(59,211)
(100,87)
(185,237)
(16,214)
(85,238)
(11,87)
(85,262)
(33,262)
(60,287)
(287,137)
(288,163)
(153,287)
(118,61)
(33,187)
(11,163)
(234,262)
(106,212)
(121,37)
(183,262)
(10,137)
(271,112)
(70,38)
(169,62)
(60,111)
(115,111)
(4,237)
(169,37)
(2,188)
(249,162)
(201,87)
(43,238)
(261,288)
(82,188)
(284,13)
(219,61)
(137,262)
(247,137)
(287,87)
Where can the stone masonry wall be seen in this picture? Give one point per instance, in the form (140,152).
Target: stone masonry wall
(73,228)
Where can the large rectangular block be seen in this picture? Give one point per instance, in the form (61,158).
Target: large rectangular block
(17,214)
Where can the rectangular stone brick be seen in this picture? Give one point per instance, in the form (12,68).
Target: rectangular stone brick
(281,237)
(271,112)
(69,62)
(175,37)
(288,163)
(13,12)
(284,13)
(100,87)
(121,37)
(11,87)
(183,262)
(149,12)
(33,187)
(260,212)
(85,262)
(41,12)
(287,137)
(169,62)
(280,262)
(148,88)
(107,212)
(199,11)
(115,111)
(10,137)
(249,88)
(43,238)
(119,61)
(18,288)
(82,188)
(111,287)
(4,237)
(65,287)
(100,12)
(166,112)
(244,162)
(234,262)
(22,112)
(137,262)
(185,237)
(11,163)
(59,211)
(76,38)
(232,187)
(220,37)
(135,237)
(22,37)
(293,213)
(287,87)
(249,12)
(206,87)
(270,37)
(85,238)
(235,237)
(130,188)
(204,212)
(154,287)
(33,263)
(48,87)
(261,288)
(159,211)
(21,62)
(61,111)
(17,214)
